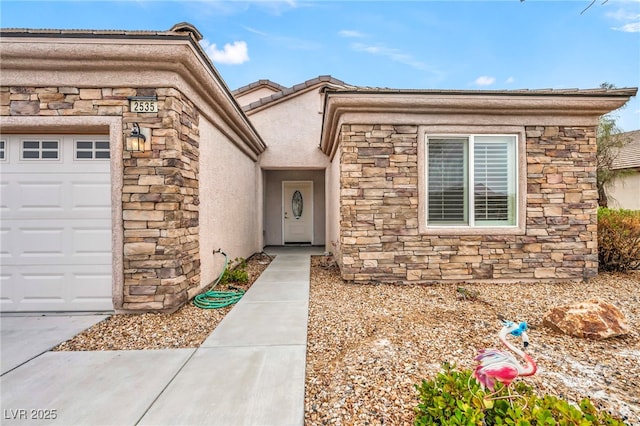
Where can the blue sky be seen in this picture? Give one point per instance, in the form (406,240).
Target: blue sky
(505,44)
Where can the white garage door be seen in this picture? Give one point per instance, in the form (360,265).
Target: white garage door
(55,228)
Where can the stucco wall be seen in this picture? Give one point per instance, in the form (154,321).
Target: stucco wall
(228,209)
(333,207)
(291,131)
(379,233)
(624,193)
(273,203)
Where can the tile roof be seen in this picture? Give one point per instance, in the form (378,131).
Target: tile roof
(624,91)
(260,83)
(180,29)
(289,91)
(629,155)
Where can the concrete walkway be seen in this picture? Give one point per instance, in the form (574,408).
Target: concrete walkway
(249,371)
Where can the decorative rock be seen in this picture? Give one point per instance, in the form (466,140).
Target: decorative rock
(593,319)
(25,107)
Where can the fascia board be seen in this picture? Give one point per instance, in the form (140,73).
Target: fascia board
(361,108)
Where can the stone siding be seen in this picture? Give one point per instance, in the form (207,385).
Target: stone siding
(380,238)
(160,186)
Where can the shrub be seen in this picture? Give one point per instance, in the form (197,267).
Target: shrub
(237,274)
(618,239)
(452,399)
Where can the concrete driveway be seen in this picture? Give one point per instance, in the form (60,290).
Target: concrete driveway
(24,337)
(249,371)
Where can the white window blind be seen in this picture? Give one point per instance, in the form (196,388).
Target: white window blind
(491,181)
(485,163)
(447,181)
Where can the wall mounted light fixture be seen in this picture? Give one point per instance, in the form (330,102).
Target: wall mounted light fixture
(136,141)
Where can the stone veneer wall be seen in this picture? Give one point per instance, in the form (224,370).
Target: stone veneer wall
(160,186)
(379,233)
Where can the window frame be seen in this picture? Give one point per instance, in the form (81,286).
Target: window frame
(94,150)
(519,181)
(41,149)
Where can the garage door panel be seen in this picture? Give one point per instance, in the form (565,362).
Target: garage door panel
(45,242)
(4,196)
(91,196)
(92,287)
(57,288)
(55,239)
(44,286)
(92,242)
(40,196)
(4,244)
(87,195)
(6,287)
(61,242)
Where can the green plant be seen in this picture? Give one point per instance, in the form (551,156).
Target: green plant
(618,239)
(610,139)
(237,273)
(452,398)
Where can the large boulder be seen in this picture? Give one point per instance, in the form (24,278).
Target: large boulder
(593,319)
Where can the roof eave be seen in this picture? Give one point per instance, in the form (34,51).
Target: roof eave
(140,59)
(414,105)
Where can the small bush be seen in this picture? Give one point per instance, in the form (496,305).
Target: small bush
(237,274)
(618,239)
(452,399)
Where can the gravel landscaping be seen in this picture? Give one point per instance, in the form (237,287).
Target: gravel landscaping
(188,327)
(368,344)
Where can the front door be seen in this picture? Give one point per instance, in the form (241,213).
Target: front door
(297,208)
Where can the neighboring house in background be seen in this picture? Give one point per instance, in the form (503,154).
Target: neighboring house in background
(400,185)
(624,192)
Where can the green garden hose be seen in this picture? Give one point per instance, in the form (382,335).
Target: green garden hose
(218,299)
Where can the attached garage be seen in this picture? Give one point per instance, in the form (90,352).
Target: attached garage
(55,223)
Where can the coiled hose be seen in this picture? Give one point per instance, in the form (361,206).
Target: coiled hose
(218,299)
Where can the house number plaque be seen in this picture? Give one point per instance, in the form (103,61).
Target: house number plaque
(143,104)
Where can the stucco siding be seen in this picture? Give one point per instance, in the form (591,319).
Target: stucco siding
(333,207)
(228,210)
(273,203)
(625,193)
(291,130)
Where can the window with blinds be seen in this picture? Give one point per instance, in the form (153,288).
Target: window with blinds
(447,181)
(471,181)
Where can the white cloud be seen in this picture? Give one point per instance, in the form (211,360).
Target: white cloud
(485,80)
(510,80)
(633,27)
(286,42)
(623,15)
(630,20)
(231,54)
(393,54)
(351,34)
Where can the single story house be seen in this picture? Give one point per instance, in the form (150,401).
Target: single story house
(126,161)
(624,192)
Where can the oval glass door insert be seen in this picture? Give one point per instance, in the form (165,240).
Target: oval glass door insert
(296,204)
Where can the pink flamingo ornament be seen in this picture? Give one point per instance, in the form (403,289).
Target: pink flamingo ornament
(496,365)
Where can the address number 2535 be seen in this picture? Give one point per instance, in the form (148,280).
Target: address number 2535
(144,106)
